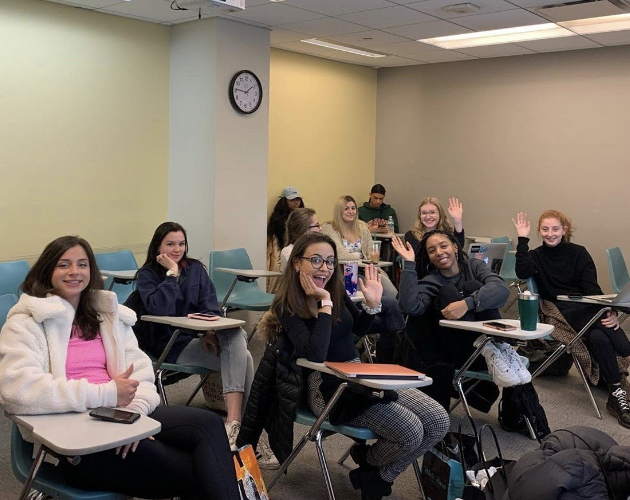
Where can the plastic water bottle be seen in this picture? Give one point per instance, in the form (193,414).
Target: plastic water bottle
(390,225)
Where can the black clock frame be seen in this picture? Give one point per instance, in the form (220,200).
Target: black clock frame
(231,92)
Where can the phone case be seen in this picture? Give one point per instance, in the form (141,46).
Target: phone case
(205,318)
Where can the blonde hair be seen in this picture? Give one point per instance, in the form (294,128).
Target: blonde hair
(338,223)
(419,229)
(563,219)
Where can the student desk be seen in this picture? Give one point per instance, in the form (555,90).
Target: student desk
(76,434)
(120,277)
(247,275)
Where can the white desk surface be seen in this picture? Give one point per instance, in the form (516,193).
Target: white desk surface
(358,297)
(249,273)
(381,263)
(199,325)
(542,329)
(386,236)
(373,383)
(79,434)
(124,275)
(586,300)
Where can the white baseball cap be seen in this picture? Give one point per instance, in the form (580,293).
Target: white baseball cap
(290,193)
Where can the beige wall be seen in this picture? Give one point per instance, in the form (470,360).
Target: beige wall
(84,134)
(507,134)
(322,119)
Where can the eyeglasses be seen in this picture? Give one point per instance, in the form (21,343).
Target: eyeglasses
(317,261)
(432,212)
(315,226)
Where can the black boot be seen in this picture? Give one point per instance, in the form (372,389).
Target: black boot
(618,406)
(359,453)
(369,481)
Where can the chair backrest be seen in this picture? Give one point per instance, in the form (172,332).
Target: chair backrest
(508,270)
(12,275)
(235,259)
(531,285)
(6,302)
(617,268)
(121,260)
(503,239)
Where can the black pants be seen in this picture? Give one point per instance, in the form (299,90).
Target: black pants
(189,458)
(604,344)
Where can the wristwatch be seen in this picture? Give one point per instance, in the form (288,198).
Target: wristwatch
(324,303)
(171,273)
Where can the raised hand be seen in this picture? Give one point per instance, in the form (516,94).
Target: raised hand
(456,211)
(522,225)
(125,387)
(167,263)
(311,289)
(372,288)
(373,225)
(404,250)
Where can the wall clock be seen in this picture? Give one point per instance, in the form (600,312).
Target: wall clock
(245,92)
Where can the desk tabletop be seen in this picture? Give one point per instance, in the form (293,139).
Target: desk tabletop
(542,329)
(592,300)
(381,263)
(125,275)
(198,325)
(249,273)
(380,384)
(388,236)
(359,297)
(79,434)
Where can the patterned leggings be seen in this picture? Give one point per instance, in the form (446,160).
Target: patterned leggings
(407,427)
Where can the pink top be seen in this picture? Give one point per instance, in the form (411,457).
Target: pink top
(86,359)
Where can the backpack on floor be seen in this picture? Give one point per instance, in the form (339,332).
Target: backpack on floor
(519,402)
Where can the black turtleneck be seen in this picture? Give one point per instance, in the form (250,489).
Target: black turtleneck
(558,270)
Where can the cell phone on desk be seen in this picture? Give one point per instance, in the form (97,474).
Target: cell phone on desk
(574,295)
(504,327)
(204,316)
(114,415)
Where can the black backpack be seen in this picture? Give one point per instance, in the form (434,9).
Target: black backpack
(518,402)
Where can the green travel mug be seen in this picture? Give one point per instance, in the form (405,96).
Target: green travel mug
(528,310)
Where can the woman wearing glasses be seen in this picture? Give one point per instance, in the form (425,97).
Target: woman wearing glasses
(300,221)
(317,318)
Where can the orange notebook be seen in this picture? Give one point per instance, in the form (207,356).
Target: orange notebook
(374,370)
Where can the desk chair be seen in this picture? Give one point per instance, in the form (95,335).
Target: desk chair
(49,482)
(618,273)
(12,275)
(508,273)
(122,260)
(503,239)
(6,302)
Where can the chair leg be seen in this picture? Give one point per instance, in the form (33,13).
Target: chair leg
(418,472)
(586,385)
(324,465)
(199,386)
(462,397)
(346,454)
(285,465)
(252,333)
(456,403)
(530,429)
(160,386)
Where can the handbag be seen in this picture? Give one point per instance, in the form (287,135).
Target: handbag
(251,485)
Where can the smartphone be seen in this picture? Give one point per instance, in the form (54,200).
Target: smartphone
(575,295)
(204,316)
(504,327)
(114,415)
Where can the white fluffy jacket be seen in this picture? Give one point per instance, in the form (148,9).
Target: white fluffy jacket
(33,350)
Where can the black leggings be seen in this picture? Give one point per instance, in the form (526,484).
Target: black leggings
(189,458)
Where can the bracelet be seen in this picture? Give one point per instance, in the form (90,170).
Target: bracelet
(370,310)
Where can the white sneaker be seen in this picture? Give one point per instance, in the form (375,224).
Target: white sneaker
(264,455)
(232,429)
(502,372)
(515,362)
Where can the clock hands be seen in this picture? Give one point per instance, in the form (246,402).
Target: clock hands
(239,90)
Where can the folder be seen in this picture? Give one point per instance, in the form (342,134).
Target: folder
(374,370)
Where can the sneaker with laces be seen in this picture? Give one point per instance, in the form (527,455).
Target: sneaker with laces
(502,372)
(618,406)
(515,361)
(264,455)
(232,429)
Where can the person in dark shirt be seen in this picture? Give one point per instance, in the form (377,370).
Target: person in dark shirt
(375,212)
(561,267)
(319,319)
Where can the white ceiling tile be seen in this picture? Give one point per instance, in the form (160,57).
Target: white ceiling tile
(427,30)
(502,50)
(279,35)
(564,43)
(87,4)
(439,56)
(536,3)
(338,7)
(436,7)
(388,17)
(403,2)
(149,9)
(499,20)
(616,38)
(392,61)
(403,48)
(274,14)
(325,27)
(367,38)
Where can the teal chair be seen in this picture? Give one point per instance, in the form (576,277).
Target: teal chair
(503,239)
(122,260)
(49,482)
(617,268)
(6,302)
(12,275)
(246,294)
(508,273)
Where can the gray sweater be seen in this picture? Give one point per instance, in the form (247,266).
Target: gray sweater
(417,296)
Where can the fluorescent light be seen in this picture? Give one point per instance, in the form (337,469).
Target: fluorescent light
(344,48)
(495,37)
(604,24)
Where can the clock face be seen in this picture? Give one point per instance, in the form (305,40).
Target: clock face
(245,92)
